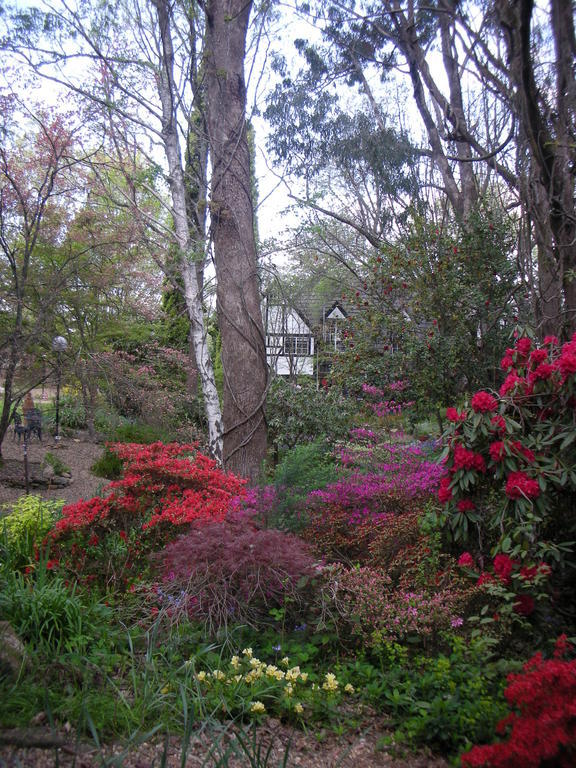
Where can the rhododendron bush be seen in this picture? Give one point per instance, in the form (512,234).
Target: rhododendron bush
(511,456)
(164,487)
(542,727)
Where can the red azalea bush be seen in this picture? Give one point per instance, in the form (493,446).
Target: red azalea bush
(510,459)
(233,571)
(164,487)
(542,730)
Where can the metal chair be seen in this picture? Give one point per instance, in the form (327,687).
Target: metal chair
(20,430)
(34,423)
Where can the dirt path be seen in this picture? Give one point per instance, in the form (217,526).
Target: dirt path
(77,454)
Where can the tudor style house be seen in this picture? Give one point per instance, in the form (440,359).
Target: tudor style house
(301,336)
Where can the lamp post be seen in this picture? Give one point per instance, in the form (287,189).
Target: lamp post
(59,345)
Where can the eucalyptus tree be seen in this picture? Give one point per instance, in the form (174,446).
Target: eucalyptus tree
(492,103)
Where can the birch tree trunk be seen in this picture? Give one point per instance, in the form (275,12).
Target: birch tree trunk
(188,253)
(232,223)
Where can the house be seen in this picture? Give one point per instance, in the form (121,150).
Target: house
(302,334)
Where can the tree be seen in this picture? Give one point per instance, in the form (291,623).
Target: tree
(232,226)
(546,110)
(35,183)
(136,84)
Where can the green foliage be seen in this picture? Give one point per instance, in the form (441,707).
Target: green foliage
(138,432)
(109,465)
(435,309)
(24,527)
(45,612)
(56,463)
(301,413)
(304,468)
(447,702)
(71,413)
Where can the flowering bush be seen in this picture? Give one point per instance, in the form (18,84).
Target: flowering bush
(163,488)
(542,730)
(232,571)
(252,688)
(511,458)
(511,590)
(347,515)
(379,612)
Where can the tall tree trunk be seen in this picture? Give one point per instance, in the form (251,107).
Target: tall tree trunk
(232,222)
(551,143)
(188,258)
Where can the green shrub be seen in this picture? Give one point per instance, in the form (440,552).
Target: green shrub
(448,702)
(137,432)
(307,467)
(109,465)
(301,413)
(28,523)
(56,463)
(45,612)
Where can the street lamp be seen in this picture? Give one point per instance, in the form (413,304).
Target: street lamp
(59,345)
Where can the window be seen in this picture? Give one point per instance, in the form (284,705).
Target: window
(333,336)
(295,345)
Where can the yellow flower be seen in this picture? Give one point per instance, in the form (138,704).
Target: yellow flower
(303,676)
(293,674)
(330,682)
(279,675)
(235,662)
(166,689)
(201,676)
(271,670)
(219,675)
(247,652)
(349,688)
(285,661)
(237,678)
(289,689)
(298,708)
(257,708)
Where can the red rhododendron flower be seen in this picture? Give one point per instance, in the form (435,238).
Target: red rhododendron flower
(453,415)
(444,491)
(542,373)
(503,567)
(567,363)
(550,340)
(485,578)
(507,362)
(498,423)
(510,383)
(466,459)
(523,346)
(466,560)
(519,485)
(538,356)
(497,451)
(483,402)
(523,451)
(524,605)
(465,505)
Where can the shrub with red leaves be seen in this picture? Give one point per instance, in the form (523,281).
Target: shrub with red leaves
(232,571)
(164,487)
(543,729)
